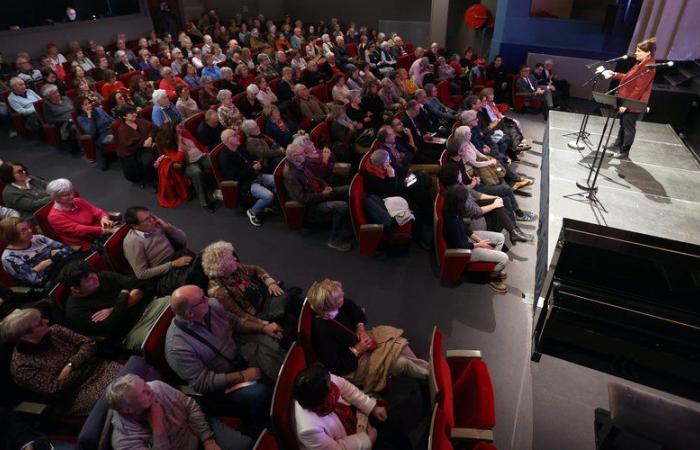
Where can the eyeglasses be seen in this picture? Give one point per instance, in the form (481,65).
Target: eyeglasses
(204,300)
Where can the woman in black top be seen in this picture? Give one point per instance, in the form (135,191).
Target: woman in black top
(372,104)
(347,349)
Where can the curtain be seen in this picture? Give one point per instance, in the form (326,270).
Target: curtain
(675,25)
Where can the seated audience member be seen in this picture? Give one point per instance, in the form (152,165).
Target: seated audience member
(407,85)
(123,65)
(245,290)
(310,107)
(119,102)
(178,61)
(285,88)
(343,344)
(133,142)
(208,93)
(96,123)
(57,111)
(435,107)
(229,115)
(561,86)
(340,92)
(278,127)
(243,76)
(189,75)
(86,88)
(102,65)
(491,118)
(265,68)
(105,304)
(478,75)
(26,72)
(313,76)
(154,414)
(75,220)
(257,145)
(496,72)
(401,154)
(228,82)
(265,95)
(210,69)
(238,165)
(22,193)
(491,174)
(144,59)
(309,188)
(485,246)
(31,259)
(330,412)
(163,109)
(344,130)
(56,362)
(250,106)
(185,104)
(141,91)
(527,84)
(51,78)
(111,84)
(419,70)
(342,56)
(181,149)
(169,82)
(427,150)
(392,100)
(210,129)
(372,103)
(486,212)
(150,247)
(330,68)
(79,74)
(218,353)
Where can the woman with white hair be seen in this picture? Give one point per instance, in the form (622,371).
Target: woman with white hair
(327,44)
(57,111)
(265,67)
(387,61)
(256,144)
(56,362)
(229,115)
(163,109)
(75,220)
(250,105)
(227,81)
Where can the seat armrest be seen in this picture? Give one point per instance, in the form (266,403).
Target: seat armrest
(21,290)
(372,227)
(293,204)
(463,354)
(188,391)
(33,408)
(471,434)
(457,252)
(229,183)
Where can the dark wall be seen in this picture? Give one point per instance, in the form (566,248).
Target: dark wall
(363,12)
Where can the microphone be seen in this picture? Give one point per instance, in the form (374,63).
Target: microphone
(617,59)
(667,64)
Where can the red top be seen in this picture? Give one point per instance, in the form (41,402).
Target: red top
(639,89)
(169,86)
(78,227)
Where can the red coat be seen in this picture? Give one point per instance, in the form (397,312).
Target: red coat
(173,186)
(639,89)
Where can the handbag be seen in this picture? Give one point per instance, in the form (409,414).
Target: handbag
(490,175)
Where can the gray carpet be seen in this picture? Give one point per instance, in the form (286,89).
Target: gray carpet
(535,407)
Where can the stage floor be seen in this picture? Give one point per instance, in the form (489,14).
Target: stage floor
(656,191)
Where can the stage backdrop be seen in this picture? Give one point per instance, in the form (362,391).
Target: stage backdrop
(675,25)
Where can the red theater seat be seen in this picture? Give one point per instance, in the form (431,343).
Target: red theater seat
(59,294)
(282,406)
(153,347)
(266,441)
(370,235)
(293,211)
(522,100)
(304,330)
(53,136)
(114,248)
(320,91)
(230,189)
(321,135)
(87,142)
(17,119)
(451,101)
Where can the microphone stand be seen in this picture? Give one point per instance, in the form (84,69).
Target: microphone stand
(582,134)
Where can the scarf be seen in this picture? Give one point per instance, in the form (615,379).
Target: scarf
(331,404)
(376,171)
(315,183)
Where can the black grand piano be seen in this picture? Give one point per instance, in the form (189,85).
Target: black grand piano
(623,303)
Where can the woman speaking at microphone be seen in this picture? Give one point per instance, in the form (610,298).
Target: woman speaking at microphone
(639,90)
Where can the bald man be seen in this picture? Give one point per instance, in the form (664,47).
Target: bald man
(201,349)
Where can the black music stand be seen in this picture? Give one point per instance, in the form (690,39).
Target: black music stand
(582,134)
(611,104)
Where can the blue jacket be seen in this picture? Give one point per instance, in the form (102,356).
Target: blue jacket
(98,126)
(158,115)
(283,138)
(213,72)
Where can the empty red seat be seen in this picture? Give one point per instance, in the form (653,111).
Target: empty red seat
(126,77)
(321,135)
(460,383)
(114,249)
(441,437)
(371,235)
(282,407)
(404,61)
(321,92)
(451,101)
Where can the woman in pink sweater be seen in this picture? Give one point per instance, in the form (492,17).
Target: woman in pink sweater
(75,220)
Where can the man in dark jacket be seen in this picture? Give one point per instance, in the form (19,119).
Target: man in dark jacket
(210,129)
(310,189)
(238,165)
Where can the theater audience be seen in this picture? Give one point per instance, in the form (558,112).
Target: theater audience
(527,84)
(163,109)
(120,102)
(105,304)
(75,220)
(133,142)
(228,82)
(86,88)
(169,82)
(310,188)
(268,152)
(219,354)
(189,72)
(265,95)
(238,165)
(428,151)
(249,105)
(31,259)
(57,111)
(156,250)
(330,412)
(26,72)
(485,246)
(56,362)
(343,344)
(209,130)
(23,193)
(96,123)
(310,107)
(154,414)
(435,107)
(496,72)
(111,84)
(243,76)
(278,127)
